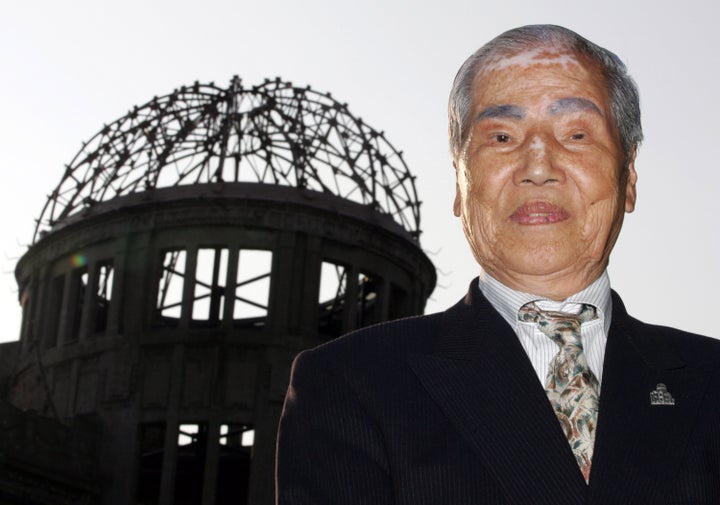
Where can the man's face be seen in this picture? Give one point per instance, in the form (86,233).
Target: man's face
(541,187)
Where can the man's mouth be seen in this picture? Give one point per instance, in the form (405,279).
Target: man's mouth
(539,213)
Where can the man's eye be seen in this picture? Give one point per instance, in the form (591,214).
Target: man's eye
(577,136)
(502,138)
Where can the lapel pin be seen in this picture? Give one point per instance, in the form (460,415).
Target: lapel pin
(661,396)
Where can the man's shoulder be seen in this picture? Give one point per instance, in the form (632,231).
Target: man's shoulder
(424,334)
(410,334)
(371,357)
(692,348)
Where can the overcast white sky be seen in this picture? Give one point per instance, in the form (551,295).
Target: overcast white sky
(69,67)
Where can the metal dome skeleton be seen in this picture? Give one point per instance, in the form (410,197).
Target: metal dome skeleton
(273,133)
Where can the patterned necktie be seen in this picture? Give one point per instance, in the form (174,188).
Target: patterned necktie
(570,385)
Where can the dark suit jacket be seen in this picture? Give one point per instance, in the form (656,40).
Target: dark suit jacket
(447,409)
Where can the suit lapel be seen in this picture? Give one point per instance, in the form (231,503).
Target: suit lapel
(638,445)
(477,375)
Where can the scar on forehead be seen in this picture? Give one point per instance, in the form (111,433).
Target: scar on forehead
(501,111)
(533,57)
(549,53)
(573,104)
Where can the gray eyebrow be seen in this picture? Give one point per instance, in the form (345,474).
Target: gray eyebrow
(503,111)
(573,104)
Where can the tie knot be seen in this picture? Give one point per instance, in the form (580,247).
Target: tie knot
(562,327)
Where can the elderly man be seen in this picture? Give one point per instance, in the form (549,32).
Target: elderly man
(537,387)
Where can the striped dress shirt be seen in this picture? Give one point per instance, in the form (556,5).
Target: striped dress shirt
(539,348)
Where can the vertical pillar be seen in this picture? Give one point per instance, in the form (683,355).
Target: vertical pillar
(212,456)
(169,464)
(30,299)
(188,286)
(307,294)
(262,485)
(214,316)
(349,321)
(281,287)
(66,308)
(119,272)
(230,286)
(134,278)
(38,315)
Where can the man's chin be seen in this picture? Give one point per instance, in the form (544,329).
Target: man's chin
(543,266)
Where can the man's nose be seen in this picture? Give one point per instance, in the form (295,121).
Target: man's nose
(539,162)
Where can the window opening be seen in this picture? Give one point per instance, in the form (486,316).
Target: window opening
(368,311)
(190,470)
(77,298)
(241,435)
(333,286)
(236,453)
(252,287)
(170,286)
(103,295)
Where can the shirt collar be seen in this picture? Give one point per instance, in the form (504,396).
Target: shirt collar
(508,301)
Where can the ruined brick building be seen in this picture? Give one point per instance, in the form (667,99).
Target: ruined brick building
(190,250)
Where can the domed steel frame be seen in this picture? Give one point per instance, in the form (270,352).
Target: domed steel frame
(274,133)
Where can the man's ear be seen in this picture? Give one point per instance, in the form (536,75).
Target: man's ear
(457,204)
(630,184)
